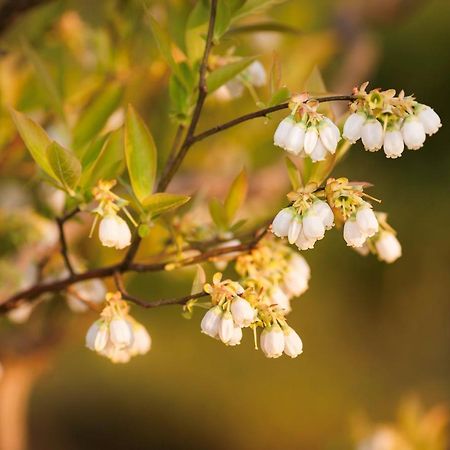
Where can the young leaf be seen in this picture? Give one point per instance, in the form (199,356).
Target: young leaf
(199,280)
(226,73)
(223,19)
(35,139)
(65,165)
(236,195)
(282,95)
(196,28)
(163,201)
(140,154)
(294,174)
(218,214)
(96,114)
(109,162)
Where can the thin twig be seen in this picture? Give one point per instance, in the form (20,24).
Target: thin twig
(60,221)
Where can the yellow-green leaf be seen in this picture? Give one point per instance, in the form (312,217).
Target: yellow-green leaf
(236,195)
(35,138)
(140,153)
(96,114)
(294,174)
(226,73)
(163,201)
(199,280)
(218,213)
(65,165)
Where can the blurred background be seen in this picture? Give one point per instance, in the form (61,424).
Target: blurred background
(376,337)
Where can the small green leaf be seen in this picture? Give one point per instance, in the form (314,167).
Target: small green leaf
(109,163)
(282,95)
(35,139)
(294,174)
(223,19)
(163,201)
(96,114)
(236,195)
(199,280)
(196,29)
(140,153)
(65,165)
(143,230)
(226,73)
(218,214)
(253,6)
(92,151)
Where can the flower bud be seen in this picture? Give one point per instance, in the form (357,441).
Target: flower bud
(282,222)
(296,138)
(210,322)
(413,133)
(372,135)
(242,311)
(114,232)
(120,333)
(367,221)
(282,131)
(293,345)
(353,126)
(429,119)
(393,143)
(388,247)
(353,235)
(226,327)
(272,341)
(311,138)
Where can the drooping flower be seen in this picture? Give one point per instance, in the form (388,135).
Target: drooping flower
(210,322)
(393,144)
(353,126)
(243,313)
(272,341)
(293,345)
(388,247)
(429,119)
(372,135)
(114,232)
(413,133)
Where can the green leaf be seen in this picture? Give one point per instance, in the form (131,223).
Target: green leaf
(35,139)
(162,202)
(294,174)
(92,151)
(196,29)
(254,6)
(165,45)
(236,195)
(226,73)
(96,114)
(140,153)
(218,213)
(223,19)
(45,79)
(282,95)
(109,163)
(65,165)
(199,280)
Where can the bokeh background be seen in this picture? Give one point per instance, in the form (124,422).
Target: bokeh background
(374,334)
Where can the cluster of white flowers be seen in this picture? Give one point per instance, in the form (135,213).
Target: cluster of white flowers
(362,224)
(254,75)
(381,119)
(276,340)
(113,230)
(230,313)
(305,222)
(116,335)
(306,132)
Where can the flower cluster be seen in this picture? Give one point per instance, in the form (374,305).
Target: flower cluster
(306,132)
(116,334)
(382,119)
(271,275)
(306,220)
(113,230)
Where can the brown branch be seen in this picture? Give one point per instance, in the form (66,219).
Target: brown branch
(155,303)
(60,221)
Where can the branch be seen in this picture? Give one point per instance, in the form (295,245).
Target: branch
(154,304)
(60,221)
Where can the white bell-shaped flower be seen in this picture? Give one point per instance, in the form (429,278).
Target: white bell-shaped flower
(243,313)
(142,341)
(120,332)
(296,138)
(282,222)
(97,336)
(353,126)
(323,210)
(393,143)
(272,341)
(313,227)
(429,119)
(353,235)
(372,135)
(303,242)
(329,135)
(210,322)
(413,133)
(319,153)
(294,229)
(256,74)
(366,220)
(388,247)
(226,327)
(293,345)
(278,297)
(237,336)
(114,232)
(282,131)
(311,138)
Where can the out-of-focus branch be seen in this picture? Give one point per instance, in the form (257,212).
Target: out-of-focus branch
(60,221)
